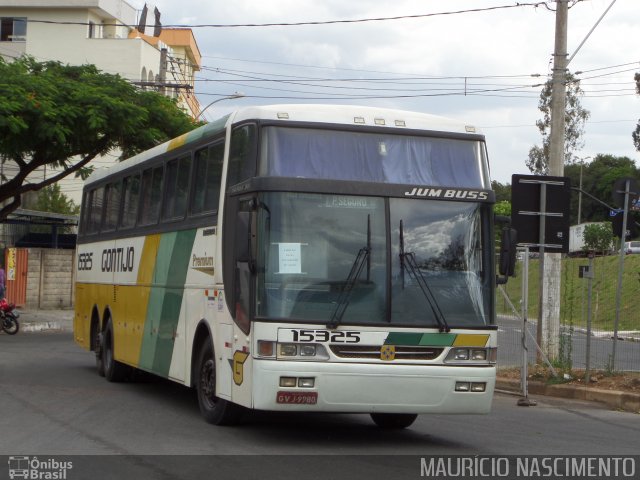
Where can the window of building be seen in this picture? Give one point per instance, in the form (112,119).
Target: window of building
(13,29)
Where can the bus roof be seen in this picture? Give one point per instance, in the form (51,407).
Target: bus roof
(347,115)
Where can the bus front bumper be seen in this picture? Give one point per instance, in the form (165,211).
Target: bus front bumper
(370,388)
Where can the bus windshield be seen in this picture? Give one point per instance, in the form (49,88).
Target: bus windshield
(311,247)
(371,157)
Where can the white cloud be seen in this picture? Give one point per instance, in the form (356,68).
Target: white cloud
(512,41)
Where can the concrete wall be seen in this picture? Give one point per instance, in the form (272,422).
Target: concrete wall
(50,278)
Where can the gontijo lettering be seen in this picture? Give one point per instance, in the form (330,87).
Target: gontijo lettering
(118,259)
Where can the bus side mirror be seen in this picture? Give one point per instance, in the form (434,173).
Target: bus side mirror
(508,250)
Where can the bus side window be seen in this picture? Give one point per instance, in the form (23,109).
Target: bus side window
(131,190)
(151,195)
(208,176)
(112,207)
(177,187)
(95,210)
(242,155)
(82,227)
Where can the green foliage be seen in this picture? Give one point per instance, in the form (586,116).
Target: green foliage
(503,192)
(502,208)
(575,118)
(598,178)
(64,116)
(573,292)
(52,199)
(598,237)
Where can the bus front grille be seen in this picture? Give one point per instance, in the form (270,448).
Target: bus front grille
(372,351)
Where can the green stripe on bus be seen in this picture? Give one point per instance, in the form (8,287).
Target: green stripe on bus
(163,310)
(438,339)
(424,339)
(176,276)
(399,338)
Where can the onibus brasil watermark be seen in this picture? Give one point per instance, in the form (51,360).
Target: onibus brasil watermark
(34,468)
(528,466)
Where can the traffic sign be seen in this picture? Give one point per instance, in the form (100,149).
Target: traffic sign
(536,199)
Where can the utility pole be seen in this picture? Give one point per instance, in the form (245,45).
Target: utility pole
(162,75)
(548,330)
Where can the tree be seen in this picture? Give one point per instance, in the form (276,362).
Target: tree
(598,237)
(636,133)
(502,191)
(64,116)
(575,117)
(598,178)
(51,199)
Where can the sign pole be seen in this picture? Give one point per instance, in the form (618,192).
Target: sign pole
(524,375)
(623,237)
(542,233)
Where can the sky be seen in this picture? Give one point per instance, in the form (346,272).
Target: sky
(500,54)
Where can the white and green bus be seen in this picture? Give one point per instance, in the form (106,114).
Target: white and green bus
(315,258)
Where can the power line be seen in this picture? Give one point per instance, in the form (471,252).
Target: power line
(326,22)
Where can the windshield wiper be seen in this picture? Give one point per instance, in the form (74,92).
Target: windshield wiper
(408,259)
(362,258)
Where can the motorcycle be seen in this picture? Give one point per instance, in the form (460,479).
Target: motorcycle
(9,317)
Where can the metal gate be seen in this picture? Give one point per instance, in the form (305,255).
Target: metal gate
(16,264)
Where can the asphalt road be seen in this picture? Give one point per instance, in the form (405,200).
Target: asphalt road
(54,403)
(510,348)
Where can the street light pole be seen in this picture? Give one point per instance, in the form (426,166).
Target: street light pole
(228,97)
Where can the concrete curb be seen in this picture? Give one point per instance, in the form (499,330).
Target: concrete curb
(43,327)
(46,320)
(629,402)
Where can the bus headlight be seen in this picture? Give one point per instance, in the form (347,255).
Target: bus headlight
(471,356)
(301,351)
(287,350)
(478,354)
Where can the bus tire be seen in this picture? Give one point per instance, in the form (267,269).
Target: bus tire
(216,411)
(97,336)
(395,421)
(114,371)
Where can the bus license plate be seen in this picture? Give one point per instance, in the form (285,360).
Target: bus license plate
(307,398)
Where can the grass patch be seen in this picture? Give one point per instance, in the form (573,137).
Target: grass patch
(574,295)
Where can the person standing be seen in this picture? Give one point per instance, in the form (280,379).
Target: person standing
(2,282)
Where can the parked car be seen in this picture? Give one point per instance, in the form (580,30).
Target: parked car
(632,247)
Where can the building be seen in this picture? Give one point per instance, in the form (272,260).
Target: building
(104,33)
(109,34)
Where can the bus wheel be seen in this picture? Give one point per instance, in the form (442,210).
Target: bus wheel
(114,371)
(214,410)
(393,420)
(97,348)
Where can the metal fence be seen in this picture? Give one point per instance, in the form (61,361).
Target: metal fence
(590,304)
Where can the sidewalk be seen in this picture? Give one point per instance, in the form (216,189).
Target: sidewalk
(615,400)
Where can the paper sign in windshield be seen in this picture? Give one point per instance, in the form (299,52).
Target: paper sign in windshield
(290,258)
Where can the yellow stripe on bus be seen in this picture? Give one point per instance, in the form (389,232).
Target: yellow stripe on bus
(470,340)
(133,300)
(177,142)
